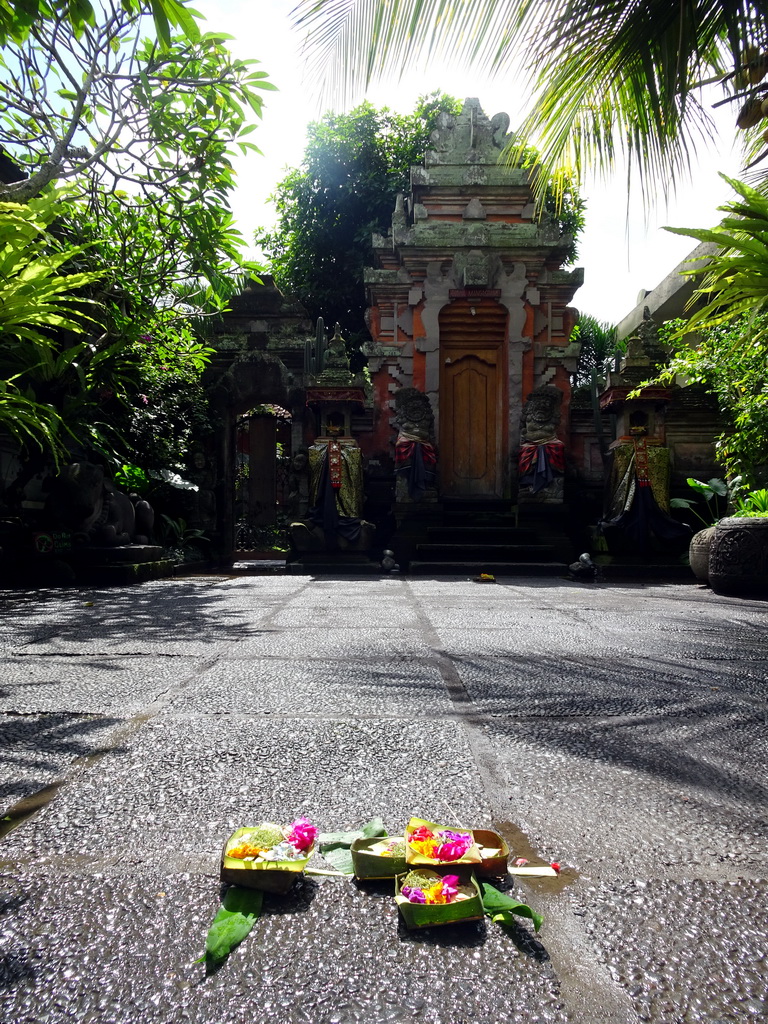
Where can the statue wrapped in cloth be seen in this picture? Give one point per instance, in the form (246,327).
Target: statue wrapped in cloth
(334,522)
(541,462)
(415,455)
(416,461)
(637,500)
(336,489)
(542,453)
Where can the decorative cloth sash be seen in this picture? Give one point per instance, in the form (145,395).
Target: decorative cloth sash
(642,469)
(539,464)
(334,464)
(405,451)
(418,460)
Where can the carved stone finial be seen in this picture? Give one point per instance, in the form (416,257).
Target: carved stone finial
(469,137)
(336,354)
(644,349)
(399,216)
(500,127)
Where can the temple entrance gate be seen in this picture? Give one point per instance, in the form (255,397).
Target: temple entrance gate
(263,450)
(472,398)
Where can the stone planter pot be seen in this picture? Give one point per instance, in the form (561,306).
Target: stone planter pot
(738,557)
(698,553)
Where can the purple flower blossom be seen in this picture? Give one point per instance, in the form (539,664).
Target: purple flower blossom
(454,845)
(413,895)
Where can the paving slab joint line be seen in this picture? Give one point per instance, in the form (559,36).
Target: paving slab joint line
(587,989)
(82,765)
(162,699)
(97,654)
(489,770)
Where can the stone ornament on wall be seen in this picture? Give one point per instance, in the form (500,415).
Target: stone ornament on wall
(469,137)
(200,504)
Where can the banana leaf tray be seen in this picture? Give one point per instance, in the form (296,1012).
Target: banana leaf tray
(430,915)
(491,867)
(269,876)
(372,866)
(472,856)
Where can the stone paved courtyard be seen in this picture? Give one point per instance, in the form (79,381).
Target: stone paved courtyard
(618,729)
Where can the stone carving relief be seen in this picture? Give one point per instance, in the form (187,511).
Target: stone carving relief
(413,414)
(84,501)
(470,137)
(541,415)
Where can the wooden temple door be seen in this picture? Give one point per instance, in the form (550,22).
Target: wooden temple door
(472,398)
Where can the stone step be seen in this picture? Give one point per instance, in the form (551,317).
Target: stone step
(484,552)
(470,568)
(477,505)
(486,519)
(649,569)
(447,534)
(123,573)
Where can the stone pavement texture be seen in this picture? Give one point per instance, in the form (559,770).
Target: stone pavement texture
(619,729)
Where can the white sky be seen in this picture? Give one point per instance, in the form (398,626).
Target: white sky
(619,254)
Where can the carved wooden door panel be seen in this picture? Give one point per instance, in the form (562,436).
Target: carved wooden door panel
(472,400)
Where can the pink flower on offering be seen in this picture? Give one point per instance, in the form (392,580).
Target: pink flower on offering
(454,845)
(450,836)
(302,834)
(450,887)
(451,851)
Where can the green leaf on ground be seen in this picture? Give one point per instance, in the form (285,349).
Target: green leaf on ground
(237,914)
(502,908)
(335,846)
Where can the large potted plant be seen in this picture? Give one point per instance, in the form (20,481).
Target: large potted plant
(738,557)
(715,494)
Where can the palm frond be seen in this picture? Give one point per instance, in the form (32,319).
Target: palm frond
(30,422)
(734,281)
(614,77)
(348,44)
(608,77)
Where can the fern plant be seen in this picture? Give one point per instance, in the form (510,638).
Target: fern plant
(37,301)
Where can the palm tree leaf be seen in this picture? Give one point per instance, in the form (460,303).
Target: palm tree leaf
(608,77)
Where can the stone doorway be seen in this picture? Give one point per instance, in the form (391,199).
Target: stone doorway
(261,480)
(472,398)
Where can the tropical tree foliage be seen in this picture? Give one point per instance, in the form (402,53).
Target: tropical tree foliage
(97,309)
(37,301)
(598,345)
(124,110)
(78,371)
(606,76)
(729,360)
(164,414)
(35,296)
(18,18)
(354,165)
(735,280)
